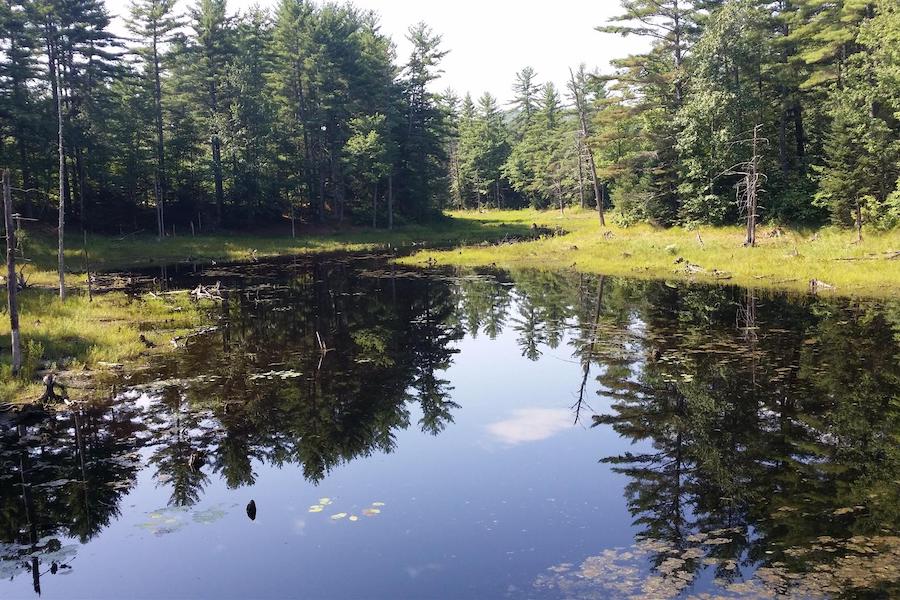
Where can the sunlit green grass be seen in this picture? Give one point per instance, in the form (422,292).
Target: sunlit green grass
(77,335)
(789,261)
(109,252)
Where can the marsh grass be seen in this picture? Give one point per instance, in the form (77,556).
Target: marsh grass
(111,253)
(77,335)
(787,261)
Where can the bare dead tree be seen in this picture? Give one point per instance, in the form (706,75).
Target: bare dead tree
(62,187)
(581,106)
(11,280)
(750,186)
(745,321)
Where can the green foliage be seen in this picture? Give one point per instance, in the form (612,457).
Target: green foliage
(235,120)
(483,149)
(861,162)
(723,105)
(223,119)
(32,354)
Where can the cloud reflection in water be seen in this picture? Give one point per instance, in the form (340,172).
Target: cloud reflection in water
(531,425)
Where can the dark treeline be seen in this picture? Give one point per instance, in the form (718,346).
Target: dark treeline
(212,119)
(668,136)
(209,119)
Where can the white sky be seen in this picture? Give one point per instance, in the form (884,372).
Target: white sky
(489,40)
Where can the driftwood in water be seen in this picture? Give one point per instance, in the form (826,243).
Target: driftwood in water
(815,285)
(201,292)
(193,334)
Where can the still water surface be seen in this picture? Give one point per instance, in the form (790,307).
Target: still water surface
(408,434)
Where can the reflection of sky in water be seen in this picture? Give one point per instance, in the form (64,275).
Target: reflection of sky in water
(460,516)
(511,499)
(531,425)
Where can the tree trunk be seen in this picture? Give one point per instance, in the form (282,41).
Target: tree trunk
(752,180)
(799,133)
(858,211)
(62,188)
(11,282)
(581,174)
(782,134)
(375,206)
(582,115)
(390,200)
(293,226)
(87,266)
(160,147)
(217,173)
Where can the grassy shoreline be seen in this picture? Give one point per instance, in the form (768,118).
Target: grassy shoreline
(107,253)
(79,336)
(786,259)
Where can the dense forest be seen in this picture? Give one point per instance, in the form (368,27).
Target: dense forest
(669,136)
(217,119)
(207,119)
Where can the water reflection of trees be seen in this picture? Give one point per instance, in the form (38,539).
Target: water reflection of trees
(765,427)
(318,371)
(760,422)
(62,480)
(772,422)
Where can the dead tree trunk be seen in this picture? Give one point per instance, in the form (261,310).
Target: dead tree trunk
(62,189)
(749,186)
(11,281)
(588,357)
(580,105)
(752,189)
(858,218)
(580,152)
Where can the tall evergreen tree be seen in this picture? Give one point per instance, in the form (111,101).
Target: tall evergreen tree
(422,166)
(154,23)
(659,79)
(206,62)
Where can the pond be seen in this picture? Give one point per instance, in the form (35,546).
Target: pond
(349,429)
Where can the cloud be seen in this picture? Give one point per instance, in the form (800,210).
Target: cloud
(531,425)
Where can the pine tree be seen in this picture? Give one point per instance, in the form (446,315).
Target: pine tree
(251,141)
(525,99)
(153,22)
(204,64)
(422,169)
(727,98)
(658,78)
(21,110)
(580,94)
